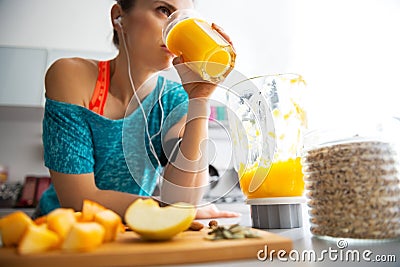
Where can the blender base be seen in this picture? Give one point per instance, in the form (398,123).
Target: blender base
(277,212)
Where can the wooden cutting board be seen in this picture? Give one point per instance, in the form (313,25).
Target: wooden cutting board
(130,250)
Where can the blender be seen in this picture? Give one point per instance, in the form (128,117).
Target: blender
(267,122)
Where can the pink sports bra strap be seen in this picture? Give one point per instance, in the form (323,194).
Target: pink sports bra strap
(100,93)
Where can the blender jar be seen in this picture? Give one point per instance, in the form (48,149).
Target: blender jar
(267,122)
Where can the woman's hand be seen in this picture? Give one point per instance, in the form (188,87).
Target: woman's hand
(221,31)
(193,84)
(211,211)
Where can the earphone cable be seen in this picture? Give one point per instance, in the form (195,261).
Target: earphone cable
(151,146)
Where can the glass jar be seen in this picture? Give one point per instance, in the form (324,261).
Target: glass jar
(267,122)
(203,49)
(353,182)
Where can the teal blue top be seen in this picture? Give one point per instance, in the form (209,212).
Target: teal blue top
(77,141)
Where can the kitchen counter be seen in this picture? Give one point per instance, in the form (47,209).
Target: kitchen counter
(305,243)
(6,211)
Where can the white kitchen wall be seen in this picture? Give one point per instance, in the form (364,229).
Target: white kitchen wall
(348,52)
(57,24)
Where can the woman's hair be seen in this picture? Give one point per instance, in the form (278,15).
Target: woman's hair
(126,5)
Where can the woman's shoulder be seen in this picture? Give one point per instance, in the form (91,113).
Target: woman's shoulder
(71,80)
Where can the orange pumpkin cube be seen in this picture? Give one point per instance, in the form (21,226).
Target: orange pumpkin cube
(84,236)
(13,226)
(60,221)
(111,222)
(89,209)
(37,239)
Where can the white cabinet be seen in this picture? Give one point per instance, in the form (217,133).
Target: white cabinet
(22,72)
(22,76)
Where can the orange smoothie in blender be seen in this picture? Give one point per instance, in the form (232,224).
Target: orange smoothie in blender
(284,178)
(272,166)
(204,49)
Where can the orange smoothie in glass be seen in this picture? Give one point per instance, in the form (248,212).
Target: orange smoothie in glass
(204,49)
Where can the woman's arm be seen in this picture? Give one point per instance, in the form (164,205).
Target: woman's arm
(186,177)
(193,129)
(72,189)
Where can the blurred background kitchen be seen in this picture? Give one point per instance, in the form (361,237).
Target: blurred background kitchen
(346,50)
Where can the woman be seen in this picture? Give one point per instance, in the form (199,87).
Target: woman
(94,152)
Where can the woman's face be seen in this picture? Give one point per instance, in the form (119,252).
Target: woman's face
(143,26)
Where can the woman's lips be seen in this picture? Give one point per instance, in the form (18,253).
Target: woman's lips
(164,47)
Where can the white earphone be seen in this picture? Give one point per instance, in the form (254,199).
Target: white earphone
(118,21)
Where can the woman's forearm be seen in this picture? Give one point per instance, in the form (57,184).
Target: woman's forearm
(72,189)
(185,178)
(194,141)
(115,200)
